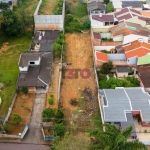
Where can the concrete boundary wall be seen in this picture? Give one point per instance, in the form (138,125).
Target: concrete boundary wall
(96,78)
(49,22)
(10,108)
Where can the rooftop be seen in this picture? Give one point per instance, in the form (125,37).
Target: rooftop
(103,18)
(101,56)
(133,4)
(123,69)
(144,75)
(37,75)
(127,13)
(95,5)
(126,28)
(144,60)
(122,100)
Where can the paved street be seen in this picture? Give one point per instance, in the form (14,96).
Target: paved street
(9,146)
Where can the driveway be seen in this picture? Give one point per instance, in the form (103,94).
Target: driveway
(9,146)
(34,135)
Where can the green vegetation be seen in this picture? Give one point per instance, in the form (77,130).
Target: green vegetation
(24,90)
(71,142)
(7,127)
(58,7)
(51,100)
(106,68)
(9,67)
(112,83)
(74,102)
(110,8)
(57,47)
(59,129)
(48,114)
(114,139)
(76,18)
(4,6)
(59,116)
(106,1)
(16,119)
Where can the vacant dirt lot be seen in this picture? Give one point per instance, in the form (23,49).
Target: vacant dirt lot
(23,107)
(79,54)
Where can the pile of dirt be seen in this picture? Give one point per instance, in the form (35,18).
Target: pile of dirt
(4,47)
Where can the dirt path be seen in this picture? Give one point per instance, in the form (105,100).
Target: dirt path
(79,53)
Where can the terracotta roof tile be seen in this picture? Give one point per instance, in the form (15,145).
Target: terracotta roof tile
(104,18)
(101,56)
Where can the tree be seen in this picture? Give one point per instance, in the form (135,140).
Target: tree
(106,1)
(4,6)
(11,25)
(106,68)
(59,129)
(68,18)
(57,48)
(16,119)
(59,116)
(48,114)
(86,23)
(114,139)
(24,90)
(110,7)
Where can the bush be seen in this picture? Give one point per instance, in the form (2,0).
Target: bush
(47,114)
(74,102)
(59,116)
(7,127)
(69,17)
(24,90)
(58,7)
(110,8)
(106,68)
(51,100)
(59,41)
(59,129)
(16,119)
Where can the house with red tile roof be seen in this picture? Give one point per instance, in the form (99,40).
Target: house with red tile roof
(128,32)
(100,58)
(135,50)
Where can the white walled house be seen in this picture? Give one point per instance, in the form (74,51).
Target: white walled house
(100,20)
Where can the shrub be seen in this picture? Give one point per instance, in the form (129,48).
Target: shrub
(47,114)
(59,129)
(7,127)
(16,119)
(59,116)
(110,8)
(69,17)
(24,90)
(74,102)
(51,100)
(59,41)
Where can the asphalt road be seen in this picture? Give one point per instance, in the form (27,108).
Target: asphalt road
(9,146)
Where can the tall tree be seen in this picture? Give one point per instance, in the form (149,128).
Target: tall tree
(114,139)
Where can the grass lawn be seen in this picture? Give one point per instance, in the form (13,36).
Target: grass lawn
(9,68)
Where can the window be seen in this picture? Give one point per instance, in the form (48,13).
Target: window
(111,23)
(106,23)
(32,63)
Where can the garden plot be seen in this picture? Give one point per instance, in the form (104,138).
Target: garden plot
(22,107)
(80,54)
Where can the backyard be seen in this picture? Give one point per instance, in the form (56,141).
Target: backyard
(23,107)
(79,53)
(47,7)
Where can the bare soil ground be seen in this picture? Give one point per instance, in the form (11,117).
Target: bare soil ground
(23,107)
(53,89)
(79,52)
(47,7)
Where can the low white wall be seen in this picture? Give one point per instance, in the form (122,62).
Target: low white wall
(99,48)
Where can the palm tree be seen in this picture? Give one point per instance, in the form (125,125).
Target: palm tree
(114,139)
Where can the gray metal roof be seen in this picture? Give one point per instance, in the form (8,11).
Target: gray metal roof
(125,100)
(26,57)
(123,69)
(133,4)
(129,121)
(37,76)
(94,5)
(117,103)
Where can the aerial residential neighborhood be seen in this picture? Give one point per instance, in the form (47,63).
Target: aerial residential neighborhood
(75,74)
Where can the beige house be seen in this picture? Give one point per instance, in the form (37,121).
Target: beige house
(122,71)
